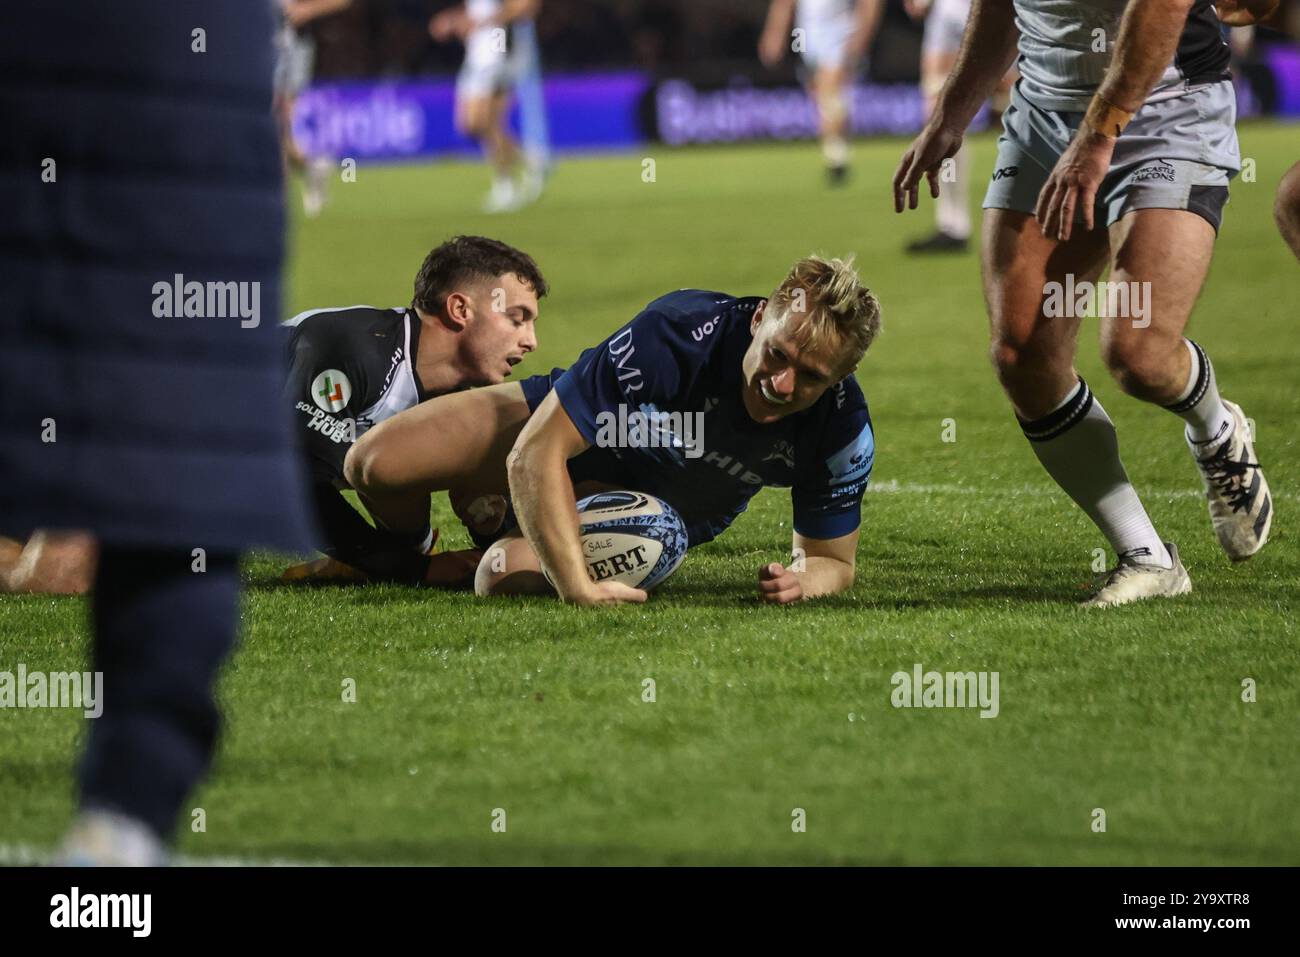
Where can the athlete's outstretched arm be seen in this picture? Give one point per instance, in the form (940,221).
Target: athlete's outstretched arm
(826,567)
(544,504)
(988,48)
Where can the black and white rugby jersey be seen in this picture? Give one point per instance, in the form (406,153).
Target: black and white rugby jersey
(349,368)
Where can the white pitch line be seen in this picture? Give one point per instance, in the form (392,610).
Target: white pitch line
(895,487)
(26,855)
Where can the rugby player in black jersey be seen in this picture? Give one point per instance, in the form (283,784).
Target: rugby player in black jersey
(472,319)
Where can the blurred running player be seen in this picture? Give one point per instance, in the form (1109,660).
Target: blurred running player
(472,319)
(1116,152)
(945,22)
(295,56)
(770,379)
(497,52)
(833,37)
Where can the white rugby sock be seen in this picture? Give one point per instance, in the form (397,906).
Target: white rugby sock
(1077,444)
(1208,420)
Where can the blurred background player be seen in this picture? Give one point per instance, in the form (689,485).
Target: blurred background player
(295,54)
(170,447)
(500,51)
(833,37)
(945,22)
(472,319)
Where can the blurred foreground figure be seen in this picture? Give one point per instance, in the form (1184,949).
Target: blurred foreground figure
(140,249)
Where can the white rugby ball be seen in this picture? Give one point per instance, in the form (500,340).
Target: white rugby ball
(631,537)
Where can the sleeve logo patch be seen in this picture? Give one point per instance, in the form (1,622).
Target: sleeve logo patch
(331,390)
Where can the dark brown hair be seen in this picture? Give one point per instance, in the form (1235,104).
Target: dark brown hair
(469,258)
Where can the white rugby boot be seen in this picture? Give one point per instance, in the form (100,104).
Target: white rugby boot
(1132,580)
(1241,506)
(99,838)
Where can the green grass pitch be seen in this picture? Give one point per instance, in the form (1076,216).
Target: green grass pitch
(970,560)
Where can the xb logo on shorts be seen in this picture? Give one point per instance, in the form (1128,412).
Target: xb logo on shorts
(331,390)
(1005,172)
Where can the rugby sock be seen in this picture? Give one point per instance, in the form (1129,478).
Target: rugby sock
(1077,444)
(349,538)
(1208,420)
(836,151)
(952,208)
(161,632)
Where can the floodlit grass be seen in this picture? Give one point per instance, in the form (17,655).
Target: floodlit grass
(971,560)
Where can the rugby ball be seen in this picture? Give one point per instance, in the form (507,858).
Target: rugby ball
(631,537)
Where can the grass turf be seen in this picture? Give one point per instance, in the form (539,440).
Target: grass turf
(970,560)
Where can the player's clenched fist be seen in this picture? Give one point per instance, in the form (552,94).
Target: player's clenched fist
(777,585)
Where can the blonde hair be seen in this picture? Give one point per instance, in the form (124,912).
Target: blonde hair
(841,311)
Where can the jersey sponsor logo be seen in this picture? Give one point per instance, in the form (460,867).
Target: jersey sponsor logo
(700,332)
(621,349)
(398,355)
(852,463)
(336,430)
(734,467)
(331,390)
(1159,170)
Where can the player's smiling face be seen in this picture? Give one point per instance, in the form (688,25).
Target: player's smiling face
(500,328)
(781,378)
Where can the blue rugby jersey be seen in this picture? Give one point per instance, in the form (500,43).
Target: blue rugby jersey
(682,354)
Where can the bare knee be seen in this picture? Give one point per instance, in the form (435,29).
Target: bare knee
(510,567)
(364,468)
(1142,367)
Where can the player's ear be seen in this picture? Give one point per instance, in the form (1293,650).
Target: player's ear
(758,317)
(457,310)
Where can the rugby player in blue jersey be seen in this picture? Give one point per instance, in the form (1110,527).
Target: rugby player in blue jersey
(771,380)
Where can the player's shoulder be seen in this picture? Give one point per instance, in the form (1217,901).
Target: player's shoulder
(691,304)
(843,409)
(695,314)
(345,322)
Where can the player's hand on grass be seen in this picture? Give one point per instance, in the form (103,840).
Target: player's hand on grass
(924,158)
(1074,183)
(606,593)
(453,569)
(777,585)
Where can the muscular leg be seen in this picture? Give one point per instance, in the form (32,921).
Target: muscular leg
(1146,354)
(829,89)
(1286,208)
(454,441)
(1034,356)
(1152,360)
